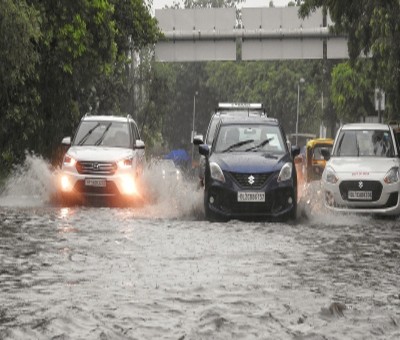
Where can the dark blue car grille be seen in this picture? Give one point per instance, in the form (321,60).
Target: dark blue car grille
(249,180)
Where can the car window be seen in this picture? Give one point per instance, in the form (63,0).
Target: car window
(250,137)
(211,131)
(135,131)
(364,143)
(317,155)
(103,133)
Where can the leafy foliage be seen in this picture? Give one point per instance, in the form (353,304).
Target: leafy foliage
(19,35)
(59,60)
(351,92)
(373,29)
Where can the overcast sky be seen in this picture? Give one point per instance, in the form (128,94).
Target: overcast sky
(157,4)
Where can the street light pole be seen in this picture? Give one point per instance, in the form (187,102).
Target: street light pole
(301,81)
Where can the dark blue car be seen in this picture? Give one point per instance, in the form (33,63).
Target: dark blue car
(249,171)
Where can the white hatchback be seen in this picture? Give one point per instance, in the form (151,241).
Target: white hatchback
(362,173)
(104,160)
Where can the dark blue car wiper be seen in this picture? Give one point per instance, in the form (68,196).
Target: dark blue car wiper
(85,137)
(237,145)
(263,143)
(269,155)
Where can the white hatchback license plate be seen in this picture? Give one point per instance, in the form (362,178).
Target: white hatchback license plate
(360,195)
(251,196)
(95,182)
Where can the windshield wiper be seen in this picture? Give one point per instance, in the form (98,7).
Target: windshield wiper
(269,155)
(98,142)
(239,144)
(264,142)
(85,137)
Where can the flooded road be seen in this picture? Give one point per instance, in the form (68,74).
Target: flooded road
(162,272)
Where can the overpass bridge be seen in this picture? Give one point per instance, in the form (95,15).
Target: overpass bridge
(270,33)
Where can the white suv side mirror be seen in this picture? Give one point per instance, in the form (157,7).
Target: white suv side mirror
(139,144)
(66,141)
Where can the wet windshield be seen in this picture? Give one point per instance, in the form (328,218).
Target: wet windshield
(364,143)
(112,134)
(250,138)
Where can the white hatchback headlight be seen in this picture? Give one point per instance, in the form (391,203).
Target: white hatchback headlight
(330,176)
(392,176)
(216,172)
(286,172)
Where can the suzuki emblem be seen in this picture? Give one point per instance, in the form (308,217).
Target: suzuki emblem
(360,184)
(251,179)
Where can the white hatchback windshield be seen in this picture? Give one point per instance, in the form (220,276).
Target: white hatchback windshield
(103,133)
(250,137)
(364,143)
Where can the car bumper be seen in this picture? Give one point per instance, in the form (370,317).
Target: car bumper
(387,201)
(280,201)
(120,184)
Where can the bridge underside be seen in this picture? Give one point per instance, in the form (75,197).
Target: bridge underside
(262,34)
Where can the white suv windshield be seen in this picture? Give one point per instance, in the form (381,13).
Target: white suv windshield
(103,133)
(364,143)
(250,137)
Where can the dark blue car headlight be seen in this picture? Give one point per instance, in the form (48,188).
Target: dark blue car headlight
(216,172)
(286,172)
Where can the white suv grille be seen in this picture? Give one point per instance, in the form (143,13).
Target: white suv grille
(96,168)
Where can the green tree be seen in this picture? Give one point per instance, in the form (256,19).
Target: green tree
(19,119)
(352,92)
(373,29)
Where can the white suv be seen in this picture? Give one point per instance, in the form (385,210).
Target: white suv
(105,159)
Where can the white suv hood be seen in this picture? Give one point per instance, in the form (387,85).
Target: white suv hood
(362,165)
(99,153)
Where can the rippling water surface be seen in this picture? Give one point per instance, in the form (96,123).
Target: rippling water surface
(162,272)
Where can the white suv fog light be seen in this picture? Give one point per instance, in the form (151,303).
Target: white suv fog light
(66,184)
(128,185)
(290,200)
(211,200)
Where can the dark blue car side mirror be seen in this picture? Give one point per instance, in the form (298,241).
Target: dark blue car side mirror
(204,150)
(295,151)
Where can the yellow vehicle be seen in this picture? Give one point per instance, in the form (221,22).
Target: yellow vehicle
(310,163)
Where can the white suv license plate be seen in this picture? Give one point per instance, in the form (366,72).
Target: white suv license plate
(360,195)
(95,182)
(251,196)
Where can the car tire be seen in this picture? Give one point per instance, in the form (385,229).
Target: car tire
(209,214)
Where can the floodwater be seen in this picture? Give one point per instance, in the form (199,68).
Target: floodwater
(161,271)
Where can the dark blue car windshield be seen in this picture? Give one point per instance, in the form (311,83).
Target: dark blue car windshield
(250,138)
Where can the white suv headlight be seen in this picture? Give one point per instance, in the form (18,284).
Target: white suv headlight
(125,163)
(216,172)
(392,176)
(68,160)
(286,172)
(330,175)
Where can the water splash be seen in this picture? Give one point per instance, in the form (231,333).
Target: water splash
(311,207)
(31,184)
(34,184)
(170,196)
